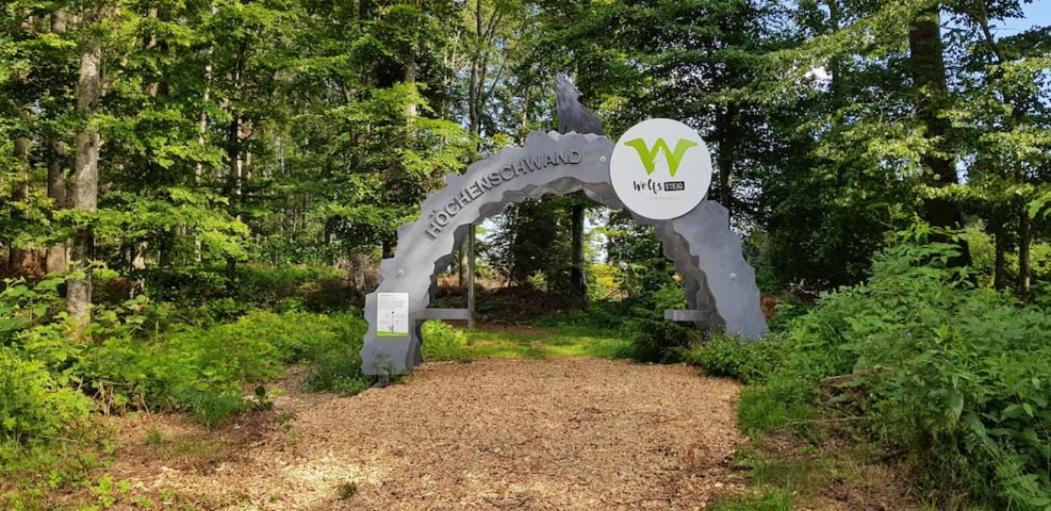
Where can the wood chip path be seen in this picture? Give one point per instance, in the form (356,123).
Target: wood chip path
(570,434)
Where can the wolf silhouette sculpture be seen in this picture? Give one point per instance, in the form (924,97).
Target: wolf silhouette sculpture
(572,116)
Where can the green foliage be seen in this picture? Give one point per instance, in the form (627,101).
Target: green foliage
(34,406)
(211,406)
(30,474)
(956,375)
(749,362)
(600,315)
(336,359)
(531,244)
(139,359)
(199,368)
(251,148)
(655,339)
(443,342)
(555,342)
(23,305)
(218,295)
(772,407)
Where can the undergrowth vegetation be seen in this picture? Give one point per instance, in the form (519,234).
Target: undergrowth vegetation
(918,359)
(139,355)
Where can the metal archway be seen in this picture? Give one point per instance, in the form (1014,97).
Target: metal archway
(720,285)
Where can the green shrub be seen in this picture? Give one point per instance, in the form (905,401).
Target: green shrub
(281,287)
(33,404)
(957,376)
(204,369)
(603,315)
(749,362)
(655,339)
(23,306)
(443,342)
(336,359)
(337,368)
(211,406)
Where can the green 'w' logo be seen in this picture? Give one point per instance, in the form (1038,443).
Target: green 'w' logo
(648,155)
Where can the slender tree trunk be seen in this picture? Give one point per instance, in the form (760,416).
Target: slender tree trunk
(21,154)
(836,63)
(470,276)
(1000,264)
(233,181)
(927,64)
(159,89)
(1025,241)
(724,123)
(85,184)
(56,191)
(358,265)
(576,274)
(410,79)
(474,87)
(22,261)
(164,251)
(58,254)
(461,265)
(202,130)
(138,258)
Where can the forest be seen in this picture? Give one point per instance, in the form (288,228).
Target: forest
(195,197)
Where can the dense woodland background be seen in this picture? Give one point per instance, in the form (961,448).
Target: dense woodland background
(196,192)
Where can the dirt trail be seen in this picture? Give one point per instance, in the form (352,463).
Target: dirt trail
(512,434)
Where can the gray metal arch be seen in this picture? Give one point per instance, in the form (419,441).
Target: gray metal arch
(700,244)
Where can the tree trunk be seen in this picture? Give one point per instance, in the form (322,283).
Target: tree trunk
(233,181)
(927,65)
(576,274)
(470,276)
(21,154)
(461,265)
(835,65)
(1000,264)
(22,261)
(202,130)
(474,85)
(358,266)
(724,123)
(85,185)
(58,254)
(410,79)
(1025,241)
(56,191)
(138,258)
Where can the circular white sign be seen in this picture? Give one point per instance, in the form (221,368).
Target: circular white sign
(660,169)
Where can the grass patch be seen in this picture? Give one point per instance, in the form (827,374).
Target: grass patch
(787,472)
(34,476)
(771,500)
(442,342)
